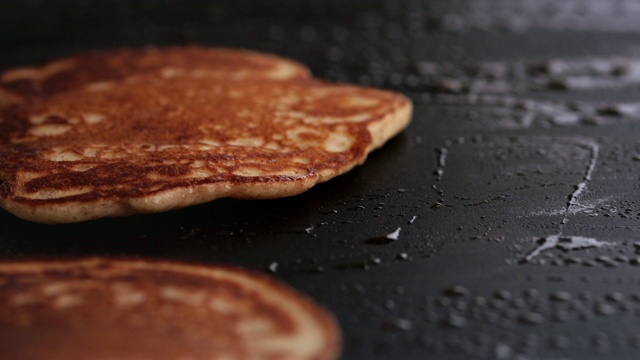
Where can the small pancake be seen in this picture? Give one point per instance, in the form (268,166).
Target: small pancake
(148,144)
(95,68)
(98,308)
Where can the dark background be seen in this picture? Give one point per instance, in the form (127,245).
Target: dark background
(514,101)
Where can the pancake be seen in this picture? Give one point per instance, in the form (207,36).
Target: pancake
(17,85)
(149,143)
(98,308)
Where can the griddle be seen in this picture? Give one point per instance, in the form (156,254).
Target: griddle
(523,138)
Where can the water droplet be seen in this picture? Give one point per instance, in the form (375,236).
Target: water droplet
(615,297)
(444,302)
(460,305)
(315,270)
(502,351)
(585,295)
(479,301)
(605,309)
(396,323)
(560,296)
(455,321)
(565,119)
(456,290)
(503,295)
(532,293)
(589,263)
(531,340)
(557,278)
(390,304)
(573,260)
(510,314)
(560,342)
(497,304)
(491,317)
(362,265)
(603,259)
(558,84)
(561,316)
(586,316)
(531,318)
(556,262)
(359,207)
(432,316)
(519,303)
(437,205)
(329,212)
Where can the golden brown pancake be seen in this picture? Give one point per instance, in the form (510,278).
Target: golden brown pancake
(95,68)
(99,308)
(148,143)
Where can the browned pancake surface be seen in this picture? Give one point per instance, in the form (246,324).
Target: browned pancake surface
(149,142)
(118,309)
(94,68)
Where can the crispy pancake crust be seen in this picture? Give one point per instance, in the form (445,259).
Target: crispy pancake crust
(93,69)
(100,308)
(150,143)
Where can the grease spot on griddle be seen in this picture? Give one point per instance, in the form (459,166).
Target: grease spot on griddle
(569,243)
(565,243)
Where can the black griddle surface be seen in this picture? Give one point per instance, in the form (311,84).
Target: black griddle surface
(526,115)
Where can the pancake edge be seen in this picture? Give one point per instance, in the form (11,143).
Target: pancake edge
(380,130)
(324,318)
